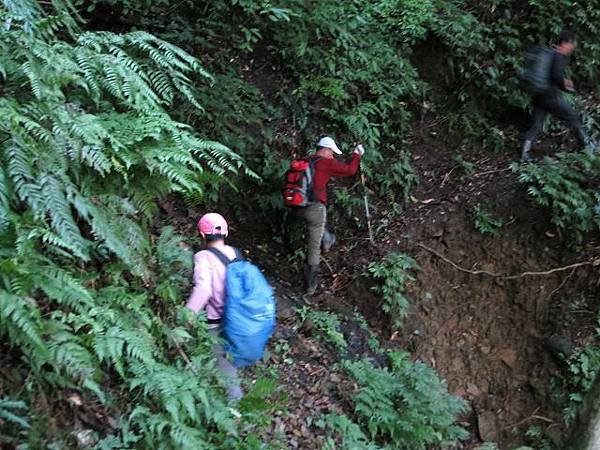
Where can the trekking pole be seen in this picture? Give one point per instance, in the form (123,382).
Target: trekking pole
(367,213)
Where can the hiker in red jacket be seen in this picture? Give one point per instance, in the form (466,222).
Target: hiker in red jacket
(315,214)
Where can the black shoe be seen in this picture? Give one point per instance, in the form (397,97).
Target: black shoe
(592,148)
(525,155)
(328,241)
(589,146)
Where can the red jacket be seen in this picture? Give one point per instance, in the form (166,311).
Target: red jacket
(327,168)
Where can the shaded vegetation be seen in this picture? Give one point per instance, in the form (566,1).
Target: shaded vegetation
(110,105)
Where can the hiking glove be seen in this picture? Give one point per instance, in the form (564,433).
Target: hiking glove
(359,150)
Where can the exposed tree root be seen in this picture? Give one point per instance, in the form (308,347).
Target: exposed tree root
(594,262)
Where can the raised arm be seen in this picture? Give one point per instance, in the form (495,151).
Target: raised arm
(337,168)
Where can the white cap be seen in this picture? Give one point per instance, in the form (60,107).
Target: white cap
(329,143)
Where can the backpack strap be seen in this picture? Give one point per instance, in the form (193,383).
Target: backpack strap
(224,258)
(312,163)
(238,255)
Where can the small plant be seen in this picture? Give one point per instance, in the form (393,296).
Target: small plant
(373,342)
(351,435)
(260,398)
(536,435)
(174,260)
(283,349)
(297,257)
(406,406)
(395,271)
(348,202)
(583,367)
(397,182)
(571,387)
(467,167)
(326,323)
(564,187)
(486,223)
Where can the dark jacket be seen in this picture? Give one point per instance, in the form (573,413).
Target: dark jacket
(557,70)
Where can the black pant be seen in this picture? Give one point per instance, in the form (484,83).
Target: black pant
(553,102)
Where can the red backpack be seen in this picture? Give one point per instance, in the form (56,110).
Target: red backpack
(298,188)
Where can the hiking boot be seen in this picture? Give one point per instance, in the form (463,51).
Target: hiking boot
(592,148)
(312,279)
(525,155)
(328,241)
(589,146)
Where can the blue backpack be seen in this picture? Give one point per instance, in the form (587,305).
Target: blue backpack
(249,314)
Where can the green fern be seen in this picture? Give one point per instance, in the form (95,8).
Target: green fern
(562,187)
(328,324)
(88,146)
(8,412)
(21,320)
(352,436)
(396,271)
(407,406)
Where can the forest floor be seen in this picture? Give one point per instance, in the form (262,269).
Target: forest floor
(495,340)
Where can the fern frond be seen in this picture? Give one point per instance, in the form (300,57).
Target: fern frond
(120,234)
(5,191)
(59,210)
(7,414)
(59,285)
(21,320)
(69,355)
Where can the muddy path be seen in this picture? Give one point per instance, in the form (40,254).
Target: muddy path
(493,339)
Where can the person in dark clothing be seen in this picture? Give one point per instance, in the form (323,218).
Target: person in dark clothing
(315,214)
(553,102)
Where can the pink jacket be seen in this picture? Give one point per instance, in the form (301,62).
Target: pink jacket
(209,283)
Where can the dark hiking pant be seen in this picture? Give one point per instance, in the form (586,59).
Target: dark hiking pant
(315,216)
(554,103)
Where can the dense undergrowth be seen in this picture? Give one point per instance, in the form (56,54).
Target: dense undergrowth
(365,71)
(88,298)
(105,110)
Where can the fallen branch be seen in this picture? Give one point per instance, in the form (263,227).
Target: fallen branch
(526,419)
(561,285)
(532,416)
(328,266)
(508,277)
(447,177)
(186,359)
(182,353)
(344,286)
(488,172)
(545,419)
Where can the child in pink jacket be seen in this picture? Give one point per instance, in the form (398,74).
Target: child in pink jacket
(209,292)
